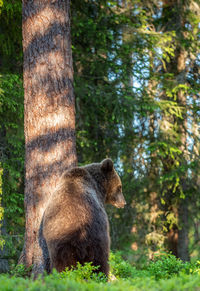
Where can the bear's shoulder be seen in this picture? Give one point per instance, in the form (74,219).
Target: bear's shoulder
(77,174)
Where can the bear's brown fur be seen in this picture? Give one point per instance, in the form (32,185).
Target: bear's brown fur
(75,224)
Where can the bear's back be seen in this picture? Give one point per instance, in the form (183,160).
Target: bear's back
(74,209)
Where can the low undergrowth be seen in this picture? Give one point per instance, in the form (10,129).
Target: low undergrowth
(164,273)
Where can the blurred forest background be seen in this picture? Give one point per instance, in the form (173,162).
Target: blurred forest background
(136,70)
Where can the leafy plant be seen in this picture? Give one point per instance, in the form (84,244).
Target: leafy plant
(20,271)
(84,272)
(121,268)
(167,265)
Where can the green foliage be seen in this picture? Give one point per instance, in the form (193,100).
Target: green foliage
(20,271)
(1,208)
(93,64)
(12,150)
(166,266)
(1,4)
(13,246)
(165,273)
(121,268)
(11,128)
(11,36)
(163,266)
(2,242)
(12,163)
(84,273)
(54,283)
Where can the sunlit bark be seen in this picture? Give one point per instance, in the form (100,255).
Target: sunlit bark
(49,114)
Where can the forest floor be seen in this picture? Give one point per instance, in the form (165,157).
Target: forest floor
(164,273)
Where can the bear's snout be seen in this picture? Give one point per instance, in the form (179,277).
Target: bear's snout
(120,202)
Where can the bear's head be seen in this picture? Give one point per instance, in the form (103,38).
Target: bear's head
(113,185)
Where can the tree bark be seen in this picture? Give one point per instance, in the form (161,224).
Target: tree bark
(49,115)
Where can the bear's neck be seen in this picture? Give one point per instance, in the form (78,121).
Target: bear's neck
(98,180)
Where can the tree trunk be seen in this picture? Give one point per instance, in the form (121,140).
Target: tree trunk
(49,115)
(183,240)
(175,20)
(183,215)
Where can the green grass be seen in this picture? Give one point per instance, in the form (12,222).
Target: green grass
(166,273)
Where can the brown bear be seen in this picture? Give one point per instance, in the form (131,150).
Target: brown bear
(75,223)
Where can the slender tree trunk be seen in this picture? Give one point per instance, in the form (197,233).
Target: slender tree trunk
(49,115)
(183,240)
(174,13)
(153,166)
(183,215)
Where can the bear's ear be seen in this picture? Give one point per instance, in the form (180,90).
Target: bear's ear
(107,165)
